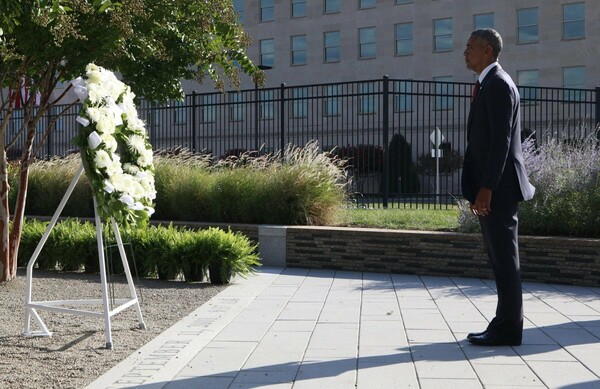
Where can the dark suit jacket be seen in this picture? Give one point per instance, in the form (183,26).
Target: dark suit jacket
(494,156)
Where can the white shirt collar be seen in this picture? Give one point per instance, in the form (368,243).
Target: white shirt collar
(485,71)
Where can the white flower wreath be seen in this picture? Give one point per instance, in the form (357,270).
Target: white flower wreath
(116,154)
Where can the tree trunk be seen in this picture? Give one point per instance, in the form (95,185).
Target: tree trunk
(17,227)
(7,272)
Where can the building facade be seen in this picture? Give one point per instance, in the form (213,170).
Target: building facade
(554,43)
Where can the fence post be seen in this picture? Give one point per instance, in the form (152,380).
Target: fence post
(49,137)
(282,118)
(597,108)
(194,134)
(385,129)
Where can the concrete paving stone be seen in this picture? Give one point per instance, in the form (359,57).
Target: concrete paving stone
(586,321)
(430,336)
(380,308)
(286,360)
(589,357)
(506,375)
(243,332)
(384,355)
(445,383)
(200,382)
(253,385)
(218,359)
(278,341)
(466,327)
(550,353)
(392,376)
(327,373)
(293,326)
(382,333)
(437,352)
(415,302)
(536,336)
(260,312)
(572,336)
(264,377)
(301,311)
(491,355)
(278,292)
(454,369)
(573,308)
(423,319)
(310,294)
(554,320)
(564,374)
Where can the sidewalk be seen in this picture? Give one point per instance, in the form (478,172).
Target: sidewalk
(299,328)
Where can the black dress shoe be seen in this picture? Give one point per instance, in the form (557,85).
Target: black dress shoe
(472,334)
(490,338)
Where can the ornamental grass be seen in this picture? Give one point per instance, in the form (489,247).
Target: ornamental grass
(303,187)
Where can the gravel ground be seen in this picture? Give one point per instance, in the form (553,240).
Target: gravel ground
(75,355)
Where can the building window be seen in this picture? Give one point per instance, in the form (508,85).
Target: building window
(574,21)
(298,48)
(267,10)
(267,52)
(333,104)
(362,4)
(331,46)
(366,43)
(367,100)
(484,21)
(442,34)
(236,106)
(332,6)
(443,93)
(403,98)
(298,8)
(238,6)
(208,109)
(300,102)
(267,108)
(574,78)
(527,25)
(404,38)
(528,81)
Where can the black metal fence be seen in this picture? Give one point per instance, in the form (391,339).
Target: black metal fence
(386,128)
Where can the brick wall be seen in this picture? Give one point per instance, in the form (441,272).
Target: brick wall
(543,259)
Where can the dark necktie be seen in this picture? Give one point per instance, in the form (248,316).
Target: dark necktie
(475,90)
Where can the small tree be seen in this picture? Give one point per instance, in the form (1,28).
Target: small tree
(152,44)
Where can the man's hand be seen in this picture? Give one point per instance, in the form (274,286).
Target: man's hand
(483,202)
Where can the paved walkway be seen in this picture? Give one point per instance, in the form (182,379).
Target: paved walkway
(299,328)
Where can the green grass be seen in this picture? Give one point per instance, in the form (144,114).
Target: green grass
(405,219)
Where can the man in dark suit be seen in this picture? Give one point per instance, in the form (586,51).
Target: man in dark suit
(494,180)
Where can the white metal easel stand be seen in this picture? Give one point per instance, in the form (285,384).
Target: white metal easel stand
(60,305)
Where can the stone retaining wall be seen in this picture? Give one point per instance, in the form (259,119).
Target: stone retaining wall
(544,259)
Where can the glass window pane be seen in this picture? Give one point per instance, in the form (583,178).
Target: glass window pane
(404,39)
(574,77)
(367,102)
(527,25)
(442,30)
(333,105)
(298,8)
(526,79)
(332,6)
(299,50)
(484,21)
(267,52)
(267,10)
(331,46)
(443,91)
(367,46)
(366,3)
(573,21)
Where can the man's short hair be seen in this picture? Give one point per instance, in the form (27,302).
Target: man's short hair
(490,37)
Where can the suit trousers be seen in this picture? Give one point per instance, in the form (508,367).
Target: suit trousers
(500,235)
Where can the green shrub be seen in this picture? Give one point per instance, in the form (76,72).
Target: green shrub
(166,252)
